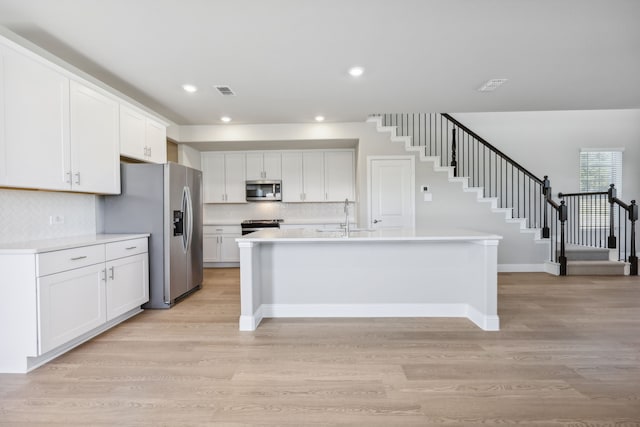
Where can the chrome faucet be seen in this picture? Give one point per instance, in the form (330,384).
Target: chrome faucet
(347,229)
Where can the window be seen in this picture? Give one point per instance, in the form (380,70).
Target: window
(598,170)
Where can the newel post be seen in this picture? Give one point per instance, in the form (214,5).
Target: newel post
(562,216)
(454,164)
(633,217)
(546,191)
(611,195)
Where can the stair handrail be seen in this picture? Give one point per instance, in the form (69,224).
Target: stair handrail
(492,147)
(632,216)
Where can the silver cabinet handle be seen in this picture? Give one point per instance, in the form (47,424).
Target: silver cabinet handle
(111,273)
(375,221)
(77,175)
(130,247)
(104,275)
(78,257)
(149,151)
(68,177)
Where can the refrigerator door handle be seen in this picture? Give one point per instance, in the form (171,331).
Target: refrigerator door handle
(186,219)
(190,218)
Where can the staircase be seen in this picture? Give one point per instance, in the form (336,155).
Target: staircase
(509,190)
(591,261)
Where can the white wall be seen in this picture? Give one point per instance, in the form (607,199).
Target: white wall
(24,215)
(189,157)
(548,143)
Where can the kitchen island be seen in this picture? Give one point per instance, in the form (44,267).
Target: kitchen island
(380,273)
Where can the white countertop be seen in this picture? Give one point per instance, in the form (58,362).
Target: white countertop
(385,234)
(48,245)
(223,222)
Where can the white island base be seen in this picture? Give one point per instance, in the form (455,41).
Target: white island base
(385,273)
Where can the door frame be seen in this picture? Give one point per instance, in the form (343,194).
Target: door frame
(412,162)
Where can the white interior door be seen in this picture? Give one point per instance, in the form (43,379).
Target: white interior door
(392,192)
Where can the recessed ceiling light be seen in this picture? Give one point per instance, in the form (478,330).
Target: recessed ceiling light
(189,88)
(319,118)
(356,71)
(225,119)
(491,85)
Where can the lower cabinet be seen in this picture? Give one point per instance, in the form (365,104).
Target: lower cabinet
(127,285)
(70,304)
(219,243)
(56,299)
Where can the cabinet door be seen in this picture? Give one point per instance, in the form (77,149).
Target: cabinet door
(95,147)
(235,178)
(127,284)
(156,141)
(254,166)
(70,304)
(230,252)
(338,176)
(313,176)
(292,189)
(272,165)
(36,124)
(213,178)
(211,247)
(132,133)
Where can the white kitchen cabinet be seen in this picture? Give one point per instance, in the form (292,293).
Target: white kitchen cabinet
(264,165)
(318,176)
(34,149)
(58,134)
(70,304)
(303,176)
(141,137)
(313,176)
(339,176)
(223,177)
(95,141)
(66,291)
(219,243)
(292,184)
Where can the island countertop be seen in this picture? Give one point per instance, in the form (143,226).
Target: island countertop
(359,235)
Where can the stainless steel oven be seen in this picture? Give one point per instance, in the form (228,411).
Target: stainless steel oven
(252,225)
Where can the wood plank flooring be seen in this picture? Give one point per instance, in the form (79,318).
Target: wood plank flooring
(568,354)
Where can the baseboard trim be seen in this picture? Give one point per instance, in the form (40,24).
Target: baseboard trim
(486,322)
(521,268)
(250,323)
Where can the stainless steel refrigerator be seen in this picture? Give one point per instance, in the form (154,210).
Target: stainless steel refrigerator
(166,201)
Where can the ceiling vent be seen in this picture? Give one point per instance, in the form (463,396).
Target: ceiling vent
(225,90)
(491,85)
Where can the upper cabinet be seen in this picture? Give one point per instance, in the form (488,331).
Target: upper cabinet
(264,165)
(61,132)
(318,176)
(141,137)
(35,117)
(339,176)
(223,177)
(95,154)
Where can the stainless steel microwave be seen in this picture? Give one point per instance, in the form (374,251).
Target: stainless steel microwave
(264,191)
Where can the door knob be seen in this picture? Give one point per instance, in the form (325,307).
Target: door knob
(375,221)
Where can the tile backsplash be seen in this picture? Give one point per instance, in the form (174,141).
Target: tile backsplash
(329,212)
(25,215)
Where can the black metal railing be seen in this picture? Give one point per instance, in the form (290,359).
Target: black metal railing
(473,157)
(600,219)
(557,233)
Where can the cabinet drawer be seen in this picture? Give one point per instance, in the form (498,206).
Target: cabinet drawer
(126,248)
(222,229)
(68,259)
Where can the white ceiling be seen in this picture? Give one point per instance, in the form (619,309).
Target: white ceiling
(287,60)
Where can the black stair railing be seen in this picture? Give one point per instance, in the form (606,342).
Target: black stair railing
(473,157)
(557,233)
(602,220)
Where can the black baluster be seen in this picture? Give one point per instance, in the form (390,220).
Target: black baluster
(454,164)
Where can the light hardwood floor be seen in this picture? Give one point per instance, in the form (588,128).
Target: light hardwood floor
(568,354)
